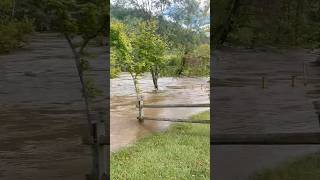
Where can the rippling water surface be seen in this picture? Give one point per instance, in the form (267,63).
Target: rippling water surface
(42,115)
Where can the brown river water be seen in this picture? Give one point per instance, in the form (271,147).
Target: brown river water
(124,124)
(241,105)
(42,116)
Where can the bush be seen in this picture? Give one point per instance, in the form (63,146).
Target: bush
(172,65)
(14,34)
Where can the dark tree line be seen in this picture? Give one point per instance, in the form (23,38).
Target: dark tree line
(253,23)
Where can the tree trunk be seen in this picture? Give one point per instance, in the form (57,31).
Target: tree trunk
(223,30)
(297,23)
(135,83)
(155,75)
(13,12)
(80,74)
(96,129)
(183,63)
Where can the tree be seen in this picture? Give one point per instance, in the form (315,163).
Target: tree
(80,22)
(148,8)
(123,50)
(224,16)
(149,47)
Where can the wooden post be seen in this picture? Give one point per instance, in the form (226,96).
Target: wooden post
(140,106)
(263,82)
(99,151)
(292,80)
(101,147)
(316,105)
(305,75)
(318,118)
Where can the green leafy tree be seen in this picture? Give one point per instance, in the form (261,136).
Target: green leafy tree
(123,52)
(149,47)
(80,22)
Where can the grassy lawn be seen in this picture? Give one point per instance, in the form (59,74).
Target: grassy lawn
(182,152)
(305,168)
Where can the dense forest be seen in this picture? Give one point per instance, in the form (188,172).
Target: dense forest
(256,23)
(165,38)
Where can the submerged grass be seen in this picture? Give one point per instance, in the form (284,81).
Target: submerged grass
(182,152)
(304,168)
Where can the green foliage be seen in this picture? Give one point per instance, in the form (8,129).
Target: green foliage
(136,51)
(121,41)
(115,68)
(14,34)
(202,65)
(143,44)
(172,64)
(284,23)
(5,10)
(148,47)
(83,18)
(91,89)
(175,34)
(13,31)
(78,20)
(139,50)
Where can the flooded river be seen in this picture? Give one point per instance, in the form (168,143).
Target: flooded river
(241,105)
(42,117)
(125,127)
(42,113)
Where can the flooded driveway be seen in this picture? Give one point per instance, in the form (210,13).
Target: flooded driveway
(42,112)
(241,105)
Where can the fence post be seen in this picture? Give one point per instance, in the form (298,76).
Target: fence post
(292,80)
(101,146)
(316,105)
(99,141)
(263,82)
(305,75)
(140,106)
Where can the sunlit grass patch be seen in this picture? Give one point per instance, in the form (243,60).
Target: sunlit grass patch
(182,152)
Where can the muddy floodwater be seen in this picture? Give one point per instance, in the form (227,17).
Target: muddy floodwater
(42,118)
(125,127)
(241,105)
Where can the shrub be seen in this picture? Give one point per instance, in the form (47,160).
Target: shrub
(14,34)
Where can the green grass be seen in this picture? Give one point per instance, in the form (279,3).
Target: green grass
(182,152)
(304,168)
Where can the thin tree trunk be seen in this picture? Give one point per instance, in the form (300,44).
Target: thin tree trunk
(96,129)
(183,63)
(155,75)
(135,83)
(13,12)
(80,74)
(297,20)
(223,30)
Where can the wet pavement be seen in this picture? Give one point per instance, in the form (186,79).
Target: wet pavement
(241,105)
